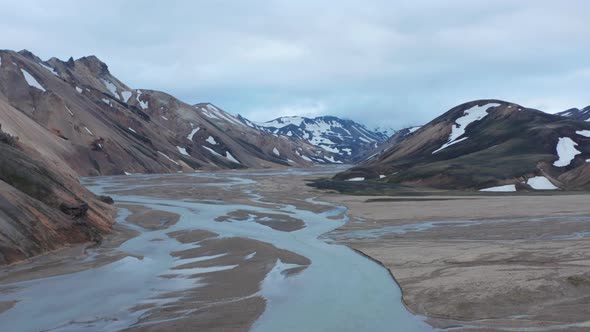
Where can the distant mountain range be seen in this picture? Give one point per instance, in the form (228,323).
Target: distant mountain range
(348,140)
(489,145)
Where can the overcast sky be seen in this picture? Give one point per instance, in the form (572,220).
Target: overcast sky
(395,63)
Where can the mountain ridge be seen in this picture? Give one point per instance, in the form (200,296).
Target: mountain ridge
(114,129)
(483,144)
(349,140)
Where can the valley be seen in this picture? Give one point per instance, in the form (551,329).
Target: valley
(261,250)
(126,209)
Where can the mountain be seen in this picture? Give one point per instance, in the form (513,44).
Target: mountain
(348,140)
(576,113)
(61,120)
(42,205)
(100,126)
(487,144)
(396,138)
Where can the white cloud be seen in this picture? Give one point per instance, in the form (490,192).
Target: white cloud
(379,62)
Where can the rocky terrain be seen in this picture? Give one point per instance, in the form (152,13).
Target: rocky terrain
(100,126)
(489,145)
(42,205)
(348,140)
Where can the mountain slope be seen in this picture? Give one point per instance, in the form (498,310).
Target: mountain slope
(42,207)
(347,139)
(487,143)
(577,114)
(394,140)
(101,126)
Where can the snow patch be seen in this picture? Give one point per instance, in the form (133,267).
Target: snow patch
(88,131)
(212,151)
(211,140)
(332,160)
(143,104)
(356,179)
(413,129)
(111,87)
(585,133)
(182,151)
(51,70)
(131,129)
(69,111)
(126,95)
(541,183)
(506,188)
(79,90)
(32,81)
(381,176)
(163,117)
(276,152)
(566,151)
(166,156)
(471,115)
(231,158)
(193,132)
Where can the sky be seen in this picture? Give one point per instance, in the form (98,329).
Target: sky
(381,63)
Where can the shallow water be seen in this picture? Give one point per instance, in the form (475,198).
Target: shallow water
(342,235)
(340,291)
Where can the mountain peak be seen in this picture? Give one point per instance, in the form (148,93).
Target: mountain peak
(349,140)
(577,114)
(95,65)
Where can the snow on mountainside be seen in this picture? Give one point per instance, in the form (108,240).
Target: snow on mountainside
(488,145)
(348,140)
(101,126)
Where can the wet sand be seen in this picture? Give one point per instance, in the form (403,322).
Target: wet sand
(218,302)
(275,221)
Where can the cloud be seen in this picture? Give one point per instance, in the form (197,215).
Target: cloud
(378,62)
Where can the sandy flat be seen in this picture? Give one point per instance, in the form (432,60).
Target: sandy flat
(526,263)
(277,221)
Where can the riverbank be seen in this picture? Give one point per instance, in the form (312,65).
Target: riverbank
(497,263)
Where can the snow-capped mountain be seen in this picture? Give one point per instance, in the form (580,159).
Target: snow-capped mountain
(348,140)
(489,145)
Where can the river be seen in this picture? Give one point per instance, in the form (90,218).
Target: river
(341,290)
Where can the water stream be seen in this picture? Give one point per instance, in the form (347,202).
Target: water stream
(340,291)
